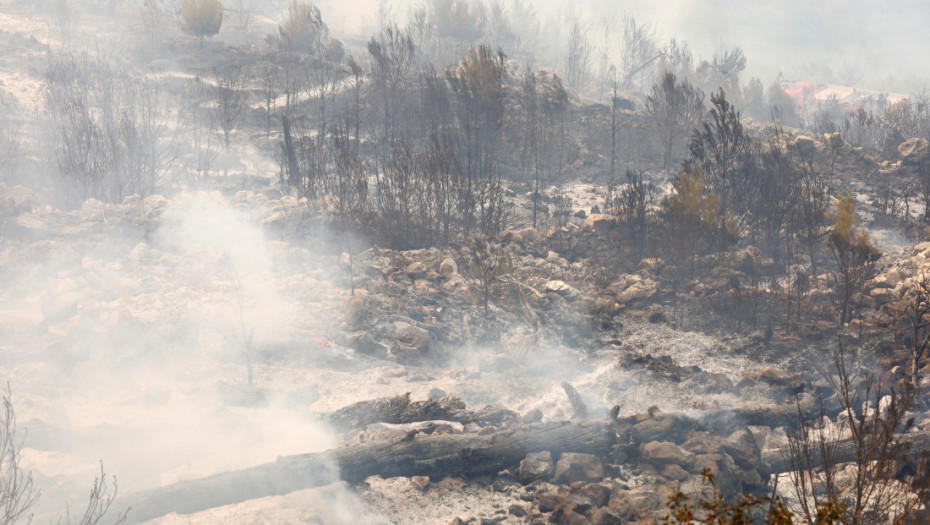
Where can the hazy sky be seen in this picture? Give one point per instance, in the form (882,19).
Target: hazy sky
(879,38)
(800,38)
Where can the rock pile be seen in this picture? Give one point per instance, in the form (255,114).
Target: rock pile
(658,456)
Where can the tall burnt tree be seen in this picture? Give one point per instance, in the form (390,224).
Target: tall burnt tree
(774,183)
(723,152)
(478,86)
(632,204)
(392,60)
(532,118)
(675,108)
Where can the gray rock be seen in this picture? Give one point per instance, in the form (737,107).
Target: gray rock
(662,453)
(914,151)
(578,467)
(436,394)
(537,466)
(598,493)
(413,336)
(448,267)
(533,416)
(364,343)
(561,288)
(743,448)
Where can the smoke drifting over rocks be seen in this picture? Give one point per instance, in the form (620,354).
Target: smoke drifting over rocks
(209,246)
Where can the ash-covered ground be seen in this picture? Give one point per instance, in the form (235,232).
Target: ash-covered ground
(188,307)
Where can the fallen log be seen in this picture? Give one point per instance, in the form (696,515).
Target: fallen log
(784,415)
(844,452)
(435,456)
(400,410)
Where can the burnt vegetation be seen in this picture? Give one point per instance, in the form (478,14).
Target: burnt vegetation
(440,149)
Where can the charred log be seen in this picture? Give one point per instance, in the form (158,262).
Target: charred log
(400,410)
(843,451)
(783,415)
(448,454)
(435,456)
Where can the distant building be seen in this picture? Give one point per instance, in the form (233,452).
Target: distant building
(810,97)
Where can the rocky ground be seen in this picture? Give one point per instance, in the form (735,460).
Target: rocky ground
(214,327)
(148,315)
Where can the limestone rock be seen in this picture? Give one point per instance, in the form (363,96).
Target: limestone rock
(599,222)
(805,146)
(742,447)
(413,336)
(93,209)
(664,453)
(578,467)
(913,151)
(448,267)
(537,466)
(561,288)
(637,288)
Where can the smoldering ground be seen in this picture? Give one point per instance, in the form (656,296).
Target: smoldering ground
(138,350)
(180,336)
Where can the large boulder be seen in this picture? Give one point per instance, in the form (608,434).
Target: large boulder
(94,210)
(416,270)
(913,151)
(412,336)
